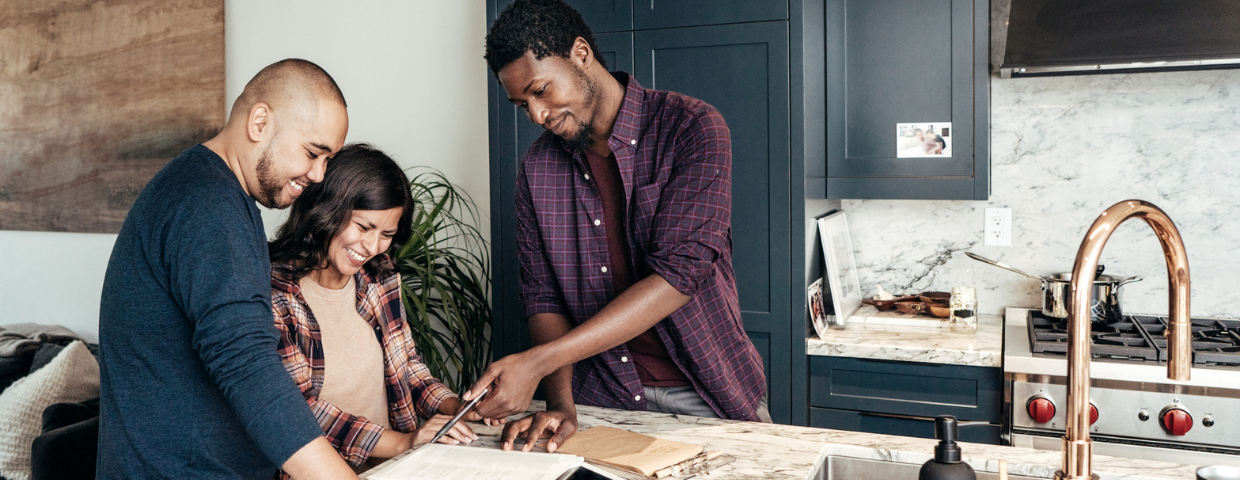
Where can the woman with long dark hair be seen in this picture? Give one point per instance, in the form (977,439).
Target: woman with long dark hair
(335,293)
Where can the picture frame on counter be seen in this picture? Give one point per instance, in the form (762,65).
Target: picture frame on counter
(841,280)
(818,311)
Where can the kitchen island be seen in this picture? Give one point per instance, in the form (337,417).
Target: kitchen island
(782,452)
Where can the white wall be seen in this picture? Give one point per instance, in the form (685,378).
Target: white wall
(53,278)
(411,71)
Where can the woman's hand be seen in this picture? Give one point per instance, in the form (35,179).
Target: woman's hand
(460,433)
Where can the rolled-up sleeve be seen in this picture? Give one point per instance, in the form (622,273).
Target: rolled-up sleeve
(693,221)
(539,291)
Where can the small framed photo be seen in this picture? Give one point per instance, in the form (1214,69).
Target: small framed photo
(817,309)
(841,277)
(924,140)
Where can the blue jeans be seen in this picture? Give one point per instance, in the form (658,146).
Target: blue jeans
(686,401)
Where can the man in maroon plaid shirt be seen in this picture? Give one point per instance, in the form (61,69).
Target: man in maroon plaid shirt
(624,237)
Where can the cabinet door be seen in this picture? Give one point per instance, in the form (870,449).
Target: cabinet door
(684,13)
(600,15)
(922,427)
(742,70)
(906,62)
(906,388)
(512,133)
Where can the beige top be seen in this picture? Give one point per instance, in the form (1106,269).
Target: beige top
(352,357)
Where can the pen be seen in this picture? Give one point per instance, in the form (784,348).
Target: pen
(457,417)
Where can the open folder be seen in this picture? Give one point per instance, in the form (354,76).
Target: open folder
(637,453)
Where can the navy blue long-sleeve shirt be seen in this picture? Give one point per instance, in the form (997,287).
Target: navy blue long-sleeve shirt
(192,385)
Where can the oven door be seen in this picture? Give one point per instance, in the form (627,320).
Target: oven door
(1126,448)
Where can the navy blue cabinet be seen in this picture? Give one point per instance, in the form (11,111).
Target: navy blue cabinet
(906,62)
(901,398)
(907,426)
(649,14)
(742,70)
(601,15)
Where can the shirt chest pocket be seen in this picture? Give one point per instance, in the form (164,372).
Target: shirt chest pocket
(645,209)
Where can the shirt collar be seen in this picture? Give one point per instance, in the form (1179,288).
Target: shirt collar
(281,281)
(629,122)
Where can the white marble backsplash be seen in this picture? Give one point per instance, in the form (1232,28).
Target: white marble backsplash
(1063,149)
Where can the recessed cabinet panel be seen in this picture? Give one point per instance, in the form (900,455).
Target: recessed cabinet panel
(681,13)
(899,62)
(600,15)
(741,70)
(880,90)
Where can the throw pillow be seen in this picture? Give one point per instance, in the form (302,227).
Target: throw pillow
(73,376)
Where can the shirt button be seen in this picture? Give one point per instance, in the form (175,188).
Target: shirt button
(624,359)
(587,176)
(604,269)
(633,142)
(598,222)
(637,398)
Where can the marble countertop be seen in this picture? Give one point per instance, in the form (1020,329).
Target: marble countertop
(894,336)
(782,452)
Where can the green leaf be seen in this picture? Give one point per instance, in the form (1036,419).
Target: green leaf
(446,273)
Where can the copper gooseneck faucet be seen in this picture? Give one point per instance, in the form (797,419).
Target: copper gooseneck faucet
(1077,447)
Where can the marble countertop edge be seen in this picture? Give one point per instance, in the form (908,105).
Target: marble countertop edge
(880,336)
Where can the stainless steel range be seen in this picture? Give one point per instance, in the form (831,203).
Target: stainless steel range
(1136,412)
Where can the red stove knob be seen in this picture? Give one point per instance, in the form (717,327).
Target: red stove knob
(1176,421)
(1041,409)
(1093,413)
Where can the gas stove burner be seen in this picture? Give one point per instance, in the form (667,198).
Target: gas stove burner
(1140,338)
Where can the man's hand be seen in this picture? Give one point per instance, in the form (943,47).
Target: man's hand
(460,433)
(512,381)
(556,424)
(453,405)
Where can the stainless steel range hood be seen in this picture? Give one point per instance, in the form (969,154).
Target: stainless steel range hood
(1069,37)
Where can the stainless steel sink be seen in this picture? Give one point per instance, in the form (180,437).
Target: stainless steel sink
(839,468)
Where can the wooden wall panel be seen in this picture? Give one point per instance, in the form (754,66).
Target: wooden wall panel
(95,98)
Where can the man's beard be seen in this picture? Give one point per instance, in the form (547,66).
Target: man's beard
(269,187)
(581,141)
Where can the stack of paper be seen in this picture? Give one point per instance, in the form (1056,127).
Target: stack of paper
(439,461)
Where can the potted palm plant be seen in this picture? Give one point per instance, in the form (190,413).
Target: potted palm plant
(446,280)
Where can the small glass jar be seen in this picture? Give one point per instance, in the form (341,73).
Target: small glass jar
(963,318)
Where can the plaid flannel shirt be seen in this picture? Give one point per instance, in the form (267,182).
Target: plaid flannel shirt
(675,158)
(411,390)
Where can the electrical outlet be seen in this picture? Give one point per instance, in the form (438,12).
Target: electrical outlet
(998,230)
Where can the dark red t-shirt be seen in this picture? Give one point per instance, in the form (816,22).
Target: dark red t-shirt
(654,366)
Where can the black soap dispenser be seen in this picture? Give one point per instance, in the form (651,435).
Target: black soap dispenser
(946,464)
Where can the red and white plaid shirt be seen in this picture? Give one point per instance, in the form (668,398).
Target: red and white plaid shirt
(675,157)
(411,390)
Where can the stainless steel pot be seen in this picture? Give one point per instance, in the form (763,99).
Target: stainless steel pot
(1057,293)
(1107,297)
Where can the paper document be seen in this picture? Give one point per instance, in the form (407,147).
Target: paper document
(440,462)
